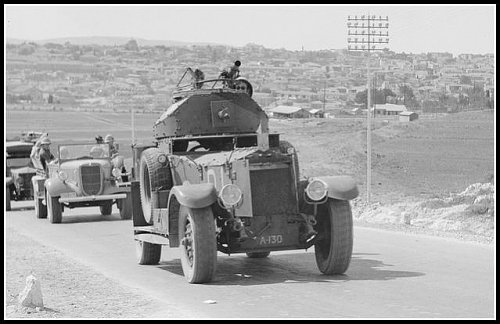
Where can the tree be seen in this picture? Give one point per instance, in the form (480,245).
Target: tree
(132,45)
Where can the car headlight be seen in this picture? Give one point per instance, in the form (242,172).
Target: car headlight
(230,195)
(316,190)
(63,176)
(116,173)
(162,158)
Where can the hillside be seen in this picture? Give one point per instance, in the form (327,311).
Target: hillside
(106,41)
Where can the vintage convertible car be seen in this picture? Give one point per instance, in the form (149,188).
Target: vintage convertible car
(82,175)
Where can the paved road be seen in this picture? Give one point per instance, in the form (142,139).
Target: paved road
(392,275)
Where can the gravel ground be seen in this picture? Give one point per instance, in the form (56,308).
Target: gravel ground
(69,289)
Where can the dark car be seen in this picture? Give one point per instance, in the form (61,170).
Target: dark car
(19,171)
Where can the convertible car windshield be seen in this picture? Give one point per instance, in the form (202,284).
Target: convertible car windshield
(79,151)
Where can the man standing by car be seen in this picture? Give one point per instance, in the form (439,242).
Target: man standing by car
(112,148)
(41,155)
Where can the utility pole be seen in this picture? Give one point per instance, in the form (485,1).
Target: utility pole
(324,98)
(367,33)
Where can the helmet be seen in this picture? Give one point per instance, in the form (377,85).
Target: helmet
(45,140)
(237,63)
(108,138)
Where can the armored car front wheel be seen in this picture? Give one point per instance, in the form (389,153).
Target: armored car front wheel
(198,244)
(334,241)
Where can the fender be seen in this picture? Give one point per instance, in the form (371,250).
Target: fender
(56,187)
(340,187)
(194,195)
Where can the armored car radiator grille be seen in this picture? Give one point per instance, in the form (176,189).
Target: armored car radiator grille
(272,191)
(91,179)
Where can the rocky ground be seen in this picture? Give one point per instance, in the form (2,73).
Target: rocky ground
(468,215)
(69,289)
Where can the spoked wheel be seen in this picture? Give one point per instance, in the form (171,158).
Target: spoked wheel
(198,244)
(334,241)
(147,253)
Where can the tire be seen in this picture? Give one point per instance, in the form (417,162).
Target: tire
(334,241)
(7,199)
(284,146)
(54,209)
(106,207)
(147,253)
(152,176)
(125,207)
(258,255)
(198,244)
(40,208)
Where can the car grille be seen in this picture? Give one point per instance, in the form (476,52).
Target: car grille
(91,179)
(273,191)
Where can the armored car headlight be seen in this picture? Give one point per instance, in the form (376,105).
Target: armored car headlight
(316,190)
(63,176)
(230,195)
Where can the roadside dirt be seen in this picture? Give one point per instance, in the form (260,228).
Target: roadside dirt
(69,289)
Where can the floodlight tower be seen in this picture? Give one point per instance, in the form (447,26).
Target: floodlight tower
(367,33)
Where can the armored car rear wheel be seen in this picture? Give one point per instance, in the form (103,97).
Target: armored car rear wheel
(198,244)
(54,209)
(334,241)
(153,175)
(147,253)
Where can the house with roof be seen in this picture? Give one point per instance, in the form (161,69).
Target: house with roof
(289,112)
(389,109)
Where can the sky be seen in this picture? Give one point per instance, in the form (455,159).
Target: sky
(413,28)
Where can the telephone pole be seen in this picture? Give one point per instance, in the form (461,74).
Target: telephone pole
(367,33)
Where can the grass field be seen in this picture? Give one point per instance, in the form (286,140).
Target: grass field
(427,157)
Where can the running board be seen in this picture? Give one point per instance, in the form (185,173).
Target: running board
(152,238)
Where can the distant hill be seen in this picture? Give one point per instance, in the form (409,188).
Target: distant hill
(108,41)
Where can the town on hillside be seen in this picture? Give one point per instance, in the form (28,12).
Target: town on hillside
(326,83)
